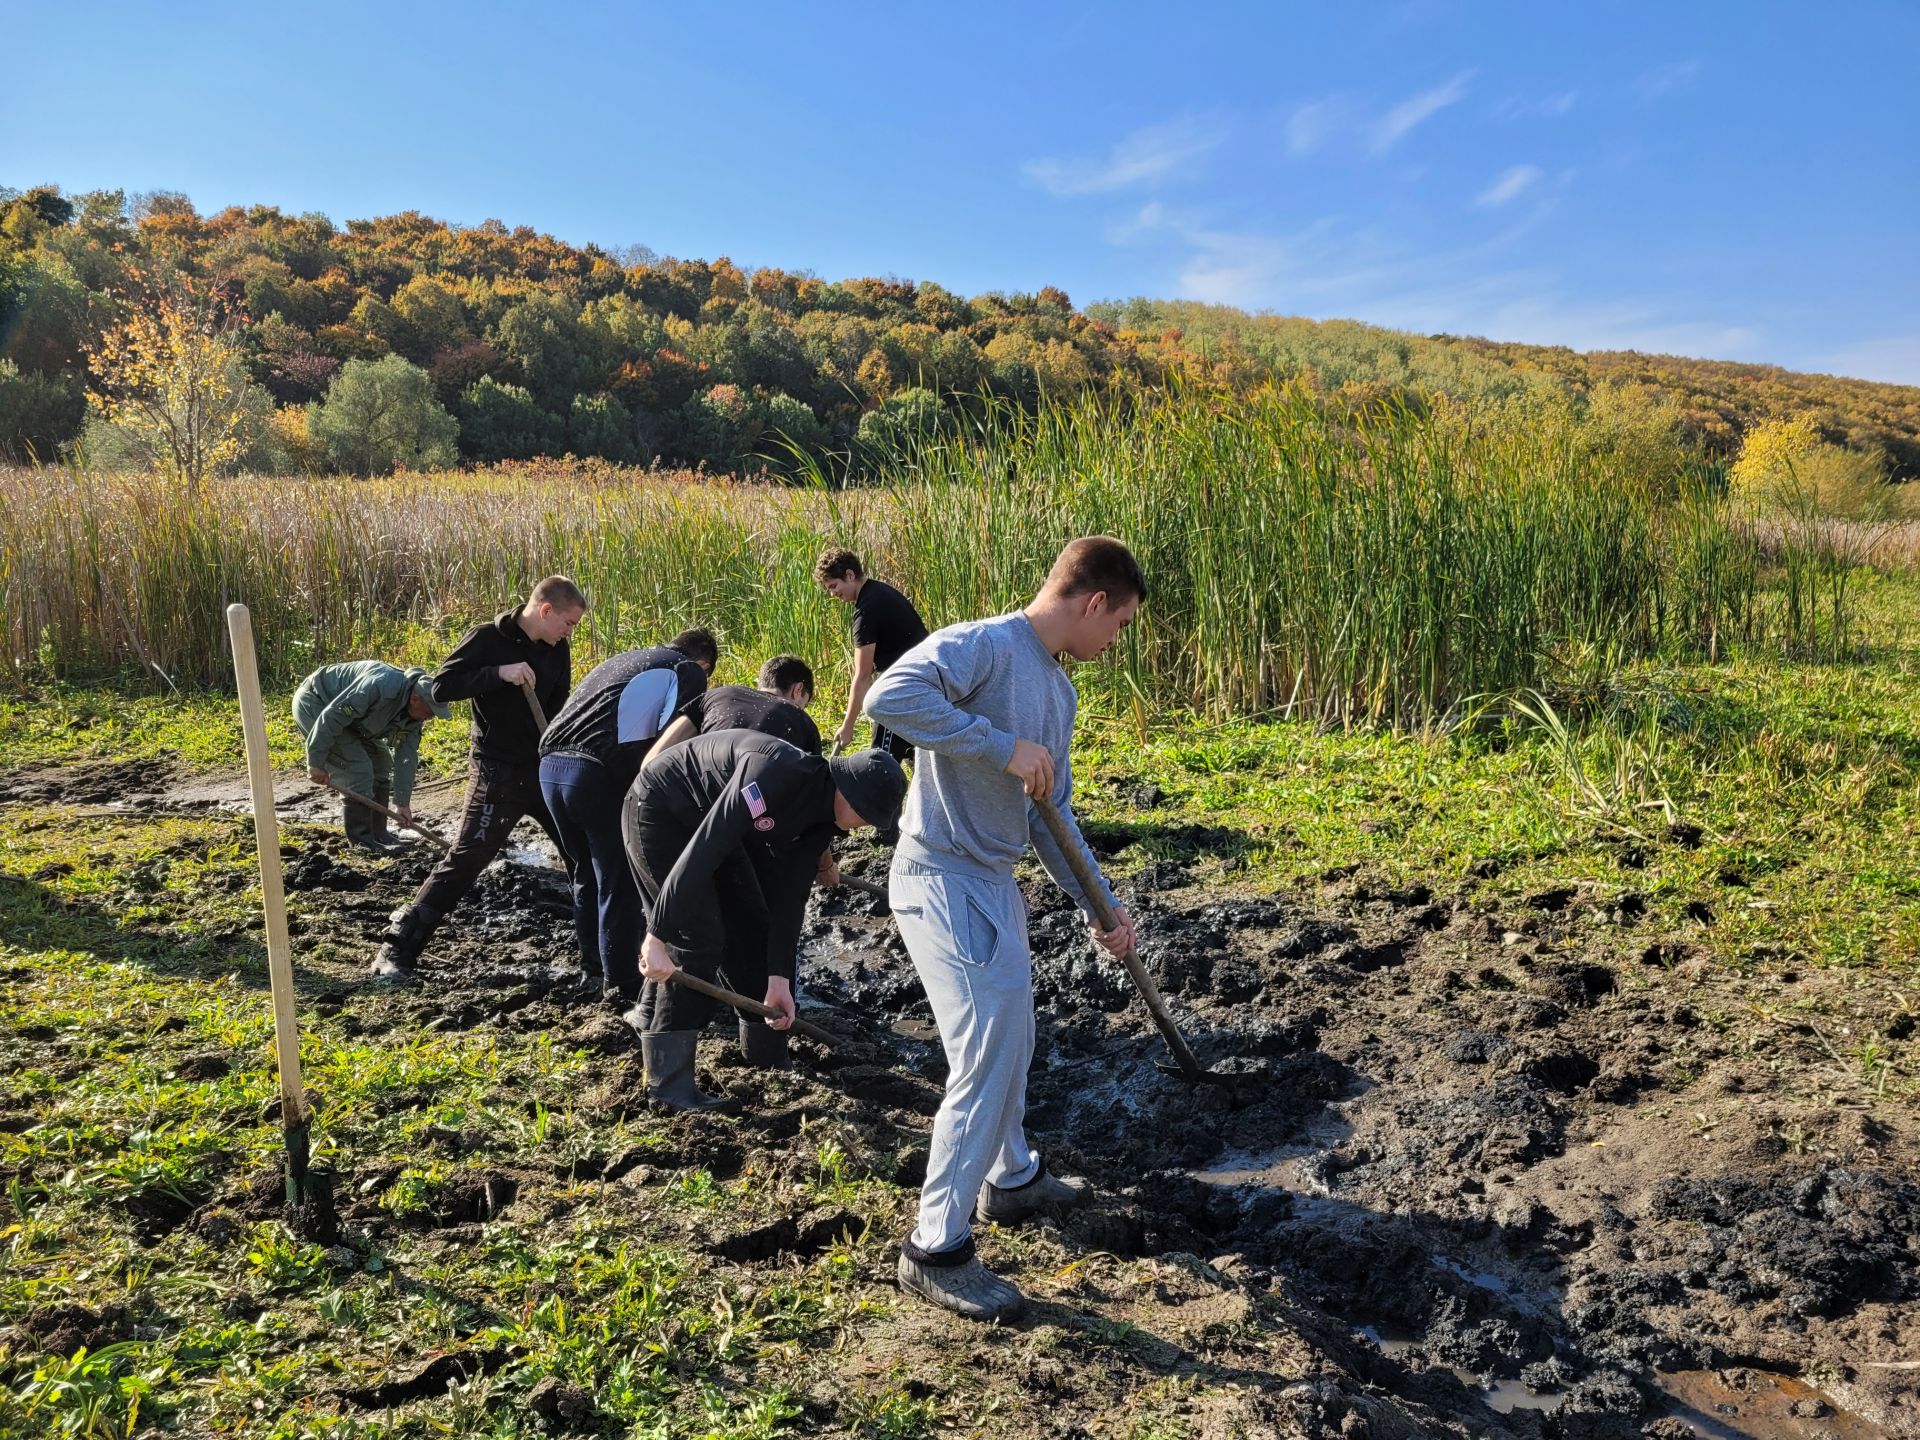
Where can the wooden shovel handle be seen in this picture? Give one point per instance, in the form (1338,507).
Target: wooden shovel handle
(1096,893)
(533,704)
(390,813)
(751,1007)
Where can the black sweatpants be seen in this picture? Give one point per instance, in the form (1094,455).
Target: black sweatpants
(729,943)
(897,746)
(498,795)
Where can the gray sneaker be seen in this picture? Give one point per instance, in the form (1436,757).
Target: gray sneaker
(1043,1194)
(957,1281)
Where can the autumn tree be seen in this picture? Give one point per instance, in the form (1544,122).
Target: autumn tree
(172,383)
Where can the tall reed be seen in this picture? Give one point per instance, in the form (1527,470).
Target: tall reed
(1377,568)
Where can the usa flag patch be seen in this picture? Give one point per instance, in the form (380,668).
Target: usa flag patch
(756,806)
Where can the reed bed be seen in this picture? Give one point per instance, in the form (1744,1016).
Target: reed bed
(1374,569)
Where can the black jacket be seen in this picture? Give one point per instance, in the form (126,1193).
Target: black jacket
(590,725)
(503,727)
(738,791)
(742,707)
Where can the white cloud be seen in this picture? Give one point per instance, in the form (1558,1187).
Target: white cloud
(1511,182)
(1894,359)
(1310,125)
(1543,107)
(1329,270)
(1669,79)
(1146,155)
(1416,110)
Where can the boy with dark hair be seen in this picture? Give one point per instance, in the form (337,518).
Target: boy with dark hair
(885,627)
(991,712)
(777,706)
(521,651)
(725,834)
(361,721)
(591,752)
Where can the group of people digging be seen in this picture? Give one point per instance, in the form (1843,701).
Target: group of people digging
(694,821)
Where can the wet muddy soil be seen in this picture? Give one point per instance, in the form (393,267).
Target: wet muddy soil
(1481,1163)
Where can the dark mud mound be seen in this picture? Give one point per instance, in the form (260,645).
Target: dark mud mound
(1824,1243)
(1407,1076)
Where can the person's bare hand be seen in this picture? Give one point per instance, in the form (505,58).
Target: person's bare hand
(655,963)
(827,876)
(518,673)
(1117,941)
(405,812)
(319,776)
(1034,765)
(780,997)
(843,737)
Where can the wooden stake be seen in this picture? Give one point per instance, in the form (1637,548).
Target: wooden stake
(295,1115)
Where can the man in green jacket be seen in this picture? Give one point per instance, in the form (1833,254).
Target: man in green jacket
(361,721)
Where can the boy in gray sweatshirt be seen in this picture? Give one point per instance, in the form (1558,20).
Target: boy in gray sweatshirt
(990,712)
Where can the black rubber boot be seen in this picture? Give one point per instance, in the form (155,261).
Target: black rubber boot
(669,1062)
(393,840)
(360,830)
(956,1280)
(764,1046)
(408,932)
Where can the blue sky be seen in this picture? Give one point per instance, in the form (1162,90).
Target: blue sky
(1730,180)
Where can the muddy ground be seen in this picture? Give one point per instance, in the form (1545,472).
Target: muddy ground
(1483,1162)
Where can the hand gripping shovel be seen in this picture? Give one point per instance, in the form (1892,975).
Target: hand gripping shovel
(1187,1067)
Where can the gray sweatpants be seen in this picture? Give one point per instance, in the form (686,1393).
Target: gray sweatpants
(968,940)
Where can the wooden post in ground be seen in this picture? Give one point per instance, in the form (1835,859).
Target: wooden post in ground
(308,1195)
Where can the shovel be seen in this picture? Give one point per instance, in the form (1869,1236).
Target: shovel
(533,704)
(1187,1067)
(390,813)
(869,887)
(750,1007)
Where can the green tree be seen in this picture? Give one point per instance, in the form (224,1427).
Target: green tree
(380,415)
(902,420)
(38,413)
(601,425)
(504,422)
(541,335)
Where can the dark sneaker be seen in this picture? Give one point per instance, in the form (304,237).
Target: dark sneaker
(957,1281)
(1044,1194)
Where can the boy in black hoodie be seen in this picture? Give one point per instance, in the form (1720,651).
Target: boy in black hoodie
(494,665)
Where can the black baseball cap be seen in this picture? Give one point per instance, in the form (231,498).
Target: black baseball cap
(874,784)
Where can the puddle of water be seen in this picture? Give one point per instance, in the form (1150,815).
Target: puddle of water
(915,1029)
(1746,1404)
(1484,1279)
(1502,1396)
(535,854)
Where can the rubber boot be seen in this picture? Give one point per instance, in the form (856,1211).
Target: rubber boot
(956,1280)
(669,1061)
(397,959)
(393,840)
(764,1046)
(361,831)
